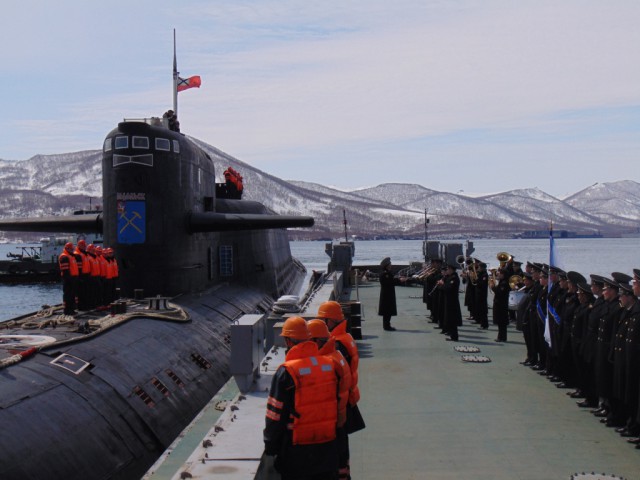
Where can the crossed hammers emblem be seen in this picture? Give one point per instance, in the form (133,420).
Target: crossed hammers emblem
(134,216)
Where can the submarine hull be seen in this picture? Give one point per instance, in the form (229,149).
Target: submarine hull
(143,381)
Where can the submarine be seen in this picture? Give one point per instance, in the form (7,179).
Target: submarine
(102,395)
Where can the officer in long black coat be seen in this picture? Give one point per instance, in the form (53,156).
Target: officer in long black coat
(481,291)
(387,304)
(633,360)
(533,349)
(590,340)
(617,355)
(566,369)
(542,346)
(577,335)
(450,285)
(428,292)
(603,363)
(522,315)
(470,288)
(501,303)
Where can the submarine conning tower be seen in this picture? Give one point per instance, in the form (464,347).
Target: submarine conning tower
(170,233)
(152,177)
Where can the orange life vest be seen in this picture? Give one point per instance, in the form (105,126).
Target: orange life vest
(315,411)
(341,335)
(343,371)
(95,266)
(67,262)
(110,270)
(86,263)
(103,265)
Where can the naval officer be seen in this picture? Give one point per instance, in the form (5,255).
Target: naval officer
(387,303)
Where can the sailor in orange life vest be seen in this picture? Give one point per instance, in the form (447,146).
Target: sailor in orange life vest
(302,410)
(84,268)
(69,272)
(102,262)
(94,280)
(331,313)
(327,346)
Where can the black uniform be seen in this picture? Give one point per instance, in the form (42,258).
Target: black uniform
(529,324)
(632,366)
(588,348)
(452,313)
(577,335)
(566,368)
(603,365)
(429,295)
(501,308)
(387,303)
(481,290)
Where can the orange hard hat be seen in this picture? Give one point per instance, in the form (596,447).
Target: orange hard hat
(91,248)
(331,310)
(82,244)
(68,246)
(99,250)
(296,328)
(317,328)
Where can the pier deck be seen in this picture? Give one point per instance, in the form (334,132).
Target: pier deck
(430,415)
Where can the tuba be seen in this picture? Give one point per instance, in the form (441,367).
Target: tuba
(503,258)
(514,281)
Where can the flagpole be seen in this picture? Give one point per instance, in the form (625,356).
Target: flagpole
(175,76)
(552,261)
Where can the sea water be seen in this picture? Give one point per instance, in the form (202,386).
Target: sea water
(585,255)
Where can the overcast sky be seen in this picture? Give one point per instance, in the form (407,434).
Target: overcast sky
(478,96)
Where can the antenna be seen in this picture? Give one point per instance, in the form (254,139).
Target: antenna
(426,235)
(344,221)
(175,76)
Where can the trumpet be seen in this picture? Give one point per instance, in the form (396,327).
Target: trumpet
(425,272)
(493,277)
(473,273)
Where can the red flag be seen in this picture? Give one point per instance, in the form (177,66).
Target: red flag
(191,82)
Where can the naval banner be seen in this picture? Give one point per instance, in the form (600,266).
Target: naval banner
(131,221)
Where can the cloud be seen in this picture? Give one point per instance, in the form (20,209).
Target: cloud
(308,90)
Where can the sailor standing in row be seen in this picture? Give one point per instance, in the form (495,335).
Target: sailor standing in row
(94,280)
(481,291)
(331,313)
(69,272)
(321,336)
(603,365)
(500,288)
(429,295)
(84,267)
(588,346)
(452,315)
(302,409)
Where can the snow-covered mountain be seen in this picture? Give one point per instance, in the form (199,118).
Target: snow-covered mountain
(59,184)
(616,203)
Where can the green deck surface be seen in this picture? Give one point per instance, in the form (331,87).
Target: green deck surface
(430,415)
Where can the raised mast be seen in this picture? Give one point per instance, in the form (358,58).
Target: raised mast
(175,76)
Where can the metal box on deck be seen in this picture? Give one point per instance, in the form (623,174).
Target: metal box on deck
(247,349)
